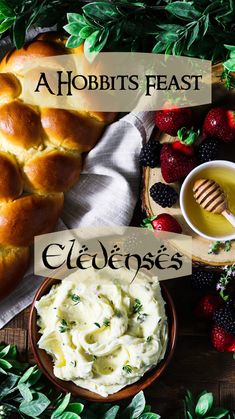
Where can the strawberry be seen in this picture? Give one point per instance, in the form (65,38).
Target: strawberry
(162,222)
(207,306)
(221,340)
(183,148)
(219,123)
(171,120)
(187,137)
(174,164)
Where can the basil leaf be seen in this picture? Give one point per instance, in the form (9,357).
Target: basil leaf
(111,413)
(150,415)
(25,392)
(136,407)
(34,377)
(62,406)
(183,10)
(75,407)
(74,41)
(204,404)
(36,406)
(101,10)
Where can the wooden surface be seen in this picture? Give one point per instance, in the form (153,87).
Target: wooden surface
(195,364)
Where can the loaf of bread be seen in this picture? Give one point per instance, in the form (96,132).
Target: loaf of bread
(40,158)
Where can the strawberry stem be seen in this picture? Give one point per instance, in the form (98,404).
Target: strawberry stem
(187,136)
(147,222)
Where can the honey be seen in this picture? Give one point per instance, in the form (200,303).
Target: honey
(207,222)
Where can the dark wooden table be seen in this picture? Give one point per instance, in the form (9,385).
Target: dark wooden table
(195,365)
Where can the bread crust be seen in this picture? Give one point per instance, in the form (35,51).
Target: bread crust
(14,262)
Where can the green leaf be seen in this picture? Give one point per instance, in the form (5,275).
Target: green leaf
(111,413)
(62,406)
(193,35)
(25,392)
(19,29)
(218,413)
(75,407)
(27,374)
(4,350)
(204,404)
(101,10)
(74,41)
(36,406)
(101,42)
(84,33)
(170,27)
(230,47)
(6,9)
(230,64)
(8,384)
(69,415)
(150,415)
(136,407)
(75,18)
(5,364)
(73,28)
(183,10)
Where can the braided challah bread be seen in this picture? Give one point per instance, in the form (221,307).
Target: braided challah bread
(40,158)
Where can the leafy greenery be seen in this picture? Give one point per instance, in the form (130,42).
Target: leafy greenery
(203,407)
(26,393)
(137,306)
(162,26)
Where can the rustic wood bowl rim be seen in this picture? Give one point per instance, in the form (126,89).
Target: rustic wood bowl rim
(45,363)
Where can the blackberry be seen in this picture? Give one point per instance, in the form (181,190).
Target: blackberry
(150,154)
(163,194)
(225,317)
(204,280)
(208,150)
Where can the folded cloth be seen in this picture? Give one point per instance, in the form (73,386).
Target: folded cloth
(106,193)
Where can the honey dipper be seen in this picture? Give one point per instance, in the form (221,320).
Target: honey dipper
(210,196)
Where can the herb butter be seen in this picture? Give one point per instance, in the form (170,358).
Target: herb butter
(103,334)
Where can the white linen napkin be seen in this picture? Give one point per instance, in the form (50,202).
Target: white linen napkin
(105,194)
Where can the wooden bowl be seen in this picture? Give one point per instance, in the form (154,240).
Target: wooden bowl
(45,363)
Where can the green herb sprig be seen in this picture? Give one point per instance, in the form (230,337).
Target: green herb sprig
(26,393)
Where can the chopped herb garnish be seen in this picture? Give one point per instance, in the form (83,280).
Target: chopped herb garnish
(127,368)
(94,357)
(118,313)
(63,326)
(74,363)
(141,317)
(98,325)
(214,247)
(106,322)
(149,339)
(137,307)
(227,245)
(75,298)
